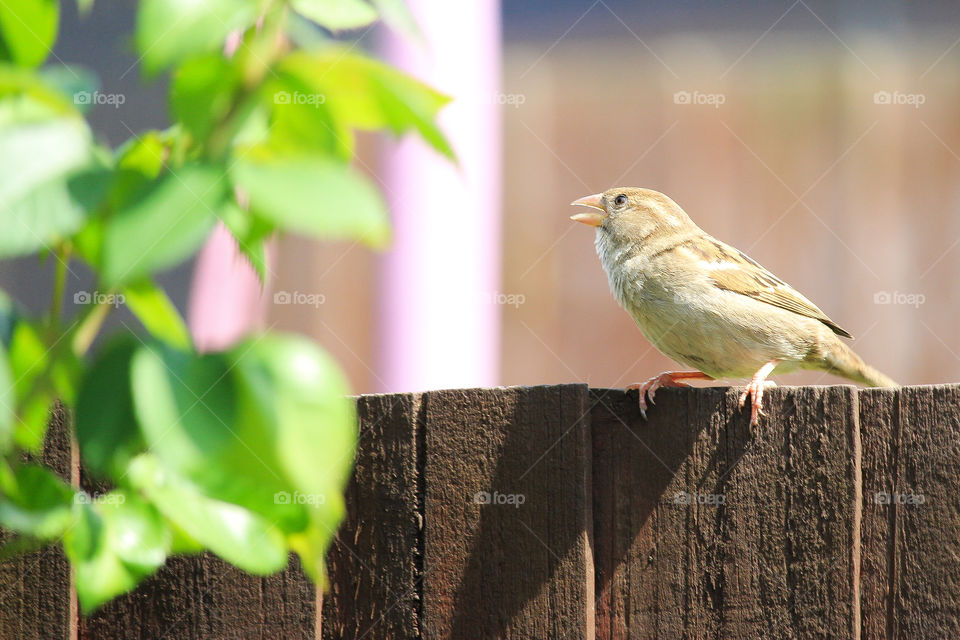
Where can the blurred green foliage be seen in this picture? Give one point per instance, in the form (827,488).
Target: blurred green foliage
(243,452)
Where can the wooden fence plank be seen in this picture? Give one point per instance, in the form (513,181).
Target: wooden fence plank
(35,597)
(879,426)
(798,521)
(506,514)
(915,506)
(375,562)
(705,527)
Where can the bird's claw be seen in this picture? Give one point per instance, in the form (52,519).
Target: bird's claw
(649,388)
(754,391)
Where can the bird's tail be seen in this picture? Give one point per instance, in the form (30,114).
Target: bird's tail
(842,360)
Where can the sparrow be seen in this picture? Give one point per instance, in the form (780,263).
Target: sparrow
(707,305)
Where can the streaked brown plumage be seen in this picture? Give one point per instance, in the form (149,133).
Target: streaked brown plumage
(706,304)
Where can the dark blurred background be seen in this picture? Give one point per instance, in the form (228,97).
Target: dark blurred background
(822,139)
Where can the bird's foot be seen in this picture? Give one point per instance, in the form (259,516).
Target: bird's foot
(666,379)
(755,389)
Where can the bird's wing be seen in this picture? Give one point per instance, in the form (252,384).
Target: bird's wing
(732,270)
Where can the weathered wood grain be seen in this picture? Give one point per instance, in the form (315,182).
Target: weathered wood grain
(912,512)
(879,427)
(705,527)
(35,591)
(204,597)
(375,562)
(506,514)
(556,512)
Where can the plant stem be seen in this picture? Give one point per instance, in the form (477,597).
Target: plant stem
(62,256)
(90,327)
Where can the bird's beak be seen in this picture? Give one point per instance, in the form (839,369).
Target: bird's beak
(592,219)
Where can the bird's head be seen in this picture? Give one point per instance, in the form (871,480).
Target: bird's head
(631,213)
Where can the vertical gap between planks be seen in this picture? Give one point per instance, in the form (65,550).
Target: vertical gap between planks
(418,410)
(892,533)
(73,633)
(855,547)
(588,516)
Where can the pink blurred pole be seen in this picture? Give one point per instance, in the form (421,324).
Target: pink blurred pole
(439,325)
(226,300)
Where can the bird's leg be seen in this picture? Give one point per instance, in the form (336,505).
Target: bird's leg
(666,379)
(755,389)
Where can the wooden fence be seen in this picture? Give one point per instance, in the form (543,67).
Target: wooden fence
(557,512)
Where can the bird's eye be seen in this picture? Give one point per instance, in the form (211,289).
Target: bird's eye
(620,200)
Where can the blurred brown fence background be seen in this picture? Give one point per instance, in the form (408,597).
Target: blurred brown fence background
(831,158)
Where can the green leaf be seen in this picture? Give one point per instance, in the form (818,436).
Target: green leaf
(313,195)
(300,120)
(250,234)
(37,503)
(140,536)
(118,540)
(232,532)
(204,92)
(188,412)
(27,96)
(154,309)
(106,426)
(128,180)
(29,359)
(28,29)
(369,95)
(185,406)
(33,153)
(164,227)
(289,382)
(7,403)
(294,384)
(144,155)
(336,15)
(171,30)
(41,374)
(36,206)
(39,219)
